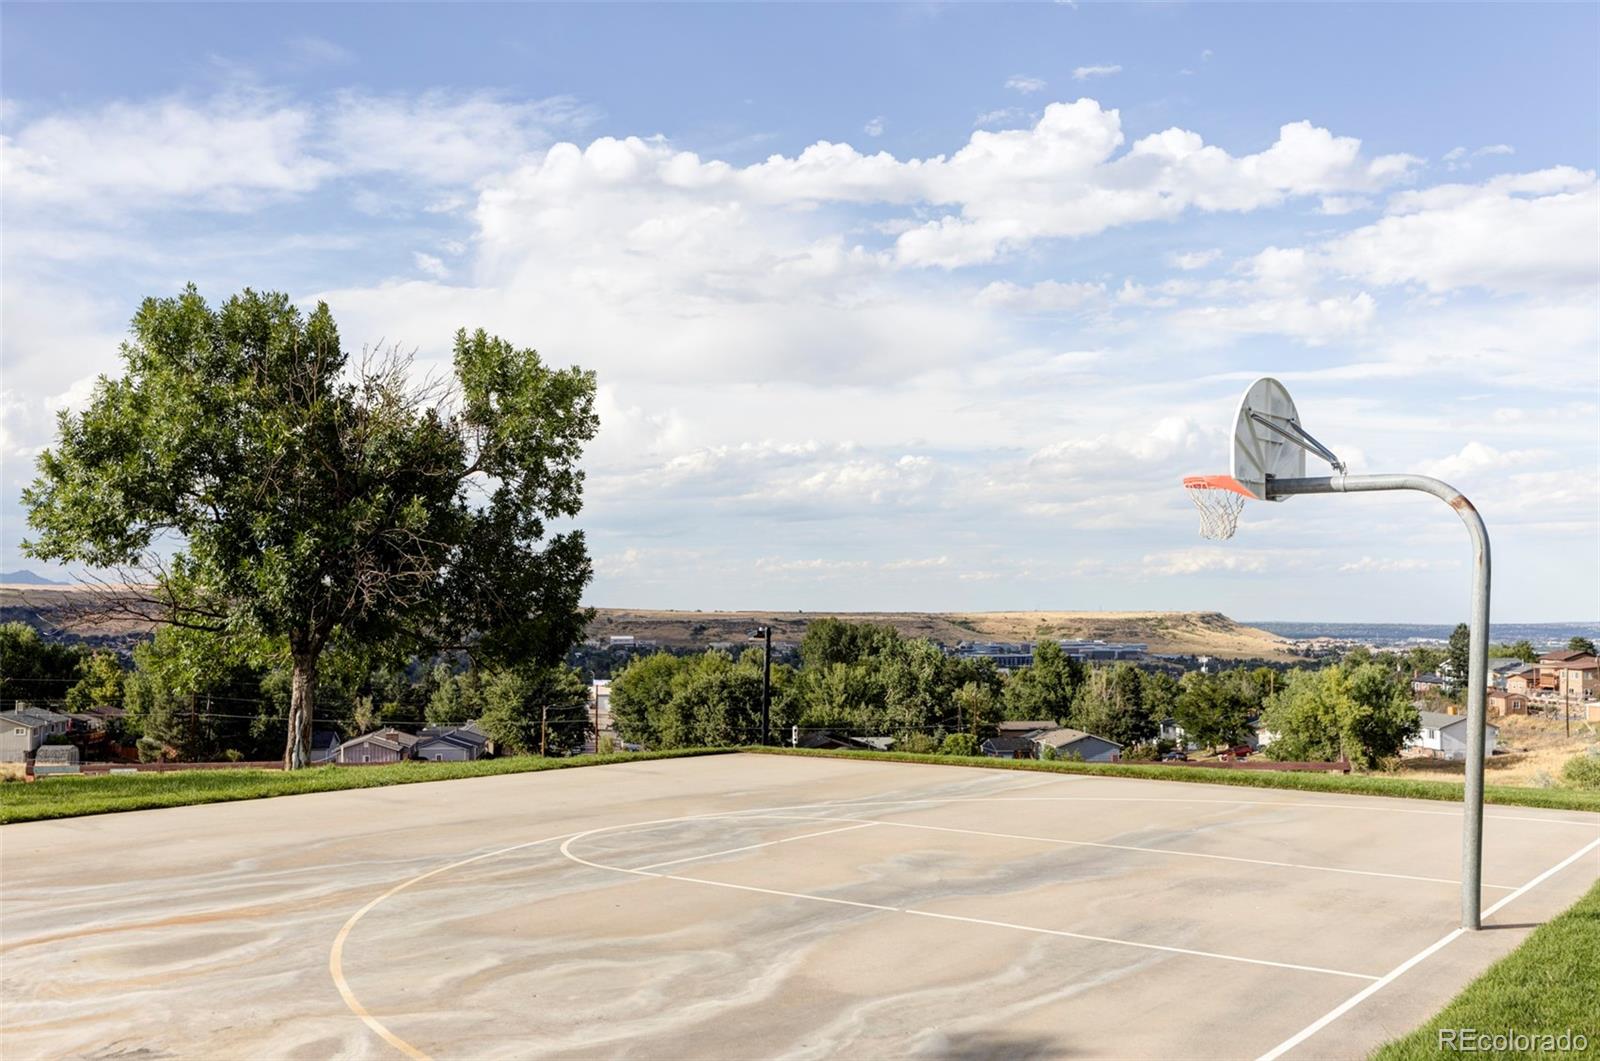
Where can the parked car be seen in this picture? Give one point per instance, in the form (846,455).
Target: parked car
(1174,757)
(1239,751)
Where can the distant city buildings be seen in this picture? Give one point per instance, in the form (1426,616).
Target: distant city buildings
(1012,656)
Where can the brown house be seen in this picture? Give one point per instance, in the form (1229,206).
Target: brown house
(1571,676)
(1503,702)
(1524,682)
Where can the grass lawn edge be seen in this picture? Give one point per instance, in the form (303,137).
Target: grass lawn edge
(1544,987)
(1344,784)
(76,796)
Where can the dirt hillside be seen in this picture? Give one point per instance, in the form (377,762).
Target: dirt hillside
(1189,633)
(1193,633)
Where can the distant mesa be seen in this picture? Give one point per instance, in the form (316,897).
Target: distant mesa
(23,577)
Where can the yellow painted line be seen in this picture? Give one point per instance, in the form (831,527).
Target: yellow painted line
(336,953)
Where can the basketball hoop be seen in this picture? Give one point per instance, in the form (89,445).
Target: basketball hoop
(1220,499)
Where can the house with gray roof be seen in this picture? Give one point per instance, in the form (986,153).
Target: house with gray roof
(1008,747)
(1445,736)
(451,744)
(25,728)
(383,746)
(1068,743)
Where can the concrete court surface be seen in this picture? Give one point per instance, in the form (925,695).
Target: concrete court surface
(748,906)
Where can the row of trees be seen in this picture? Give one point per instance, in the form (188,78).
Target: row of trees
(865,679)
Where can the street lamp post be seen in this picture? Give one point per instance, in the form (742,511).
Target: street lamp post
(764,634)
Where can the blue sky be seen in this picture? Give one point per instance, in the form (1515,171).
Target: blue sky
(893,306)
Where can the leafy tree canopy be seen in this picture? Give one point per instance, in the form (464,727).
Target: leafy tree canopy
(1047,688)
(33,669)
(1365,714)
(258,482)
(1212,711)
(1578,644)
(537,709)
(101,684)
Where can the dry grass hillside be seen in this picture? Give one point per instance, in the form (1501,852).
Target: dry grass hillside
(1534,749)
(1196,633)
(1191,633)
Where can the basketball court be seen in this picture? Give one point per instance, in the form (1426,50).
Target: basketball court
(755,906)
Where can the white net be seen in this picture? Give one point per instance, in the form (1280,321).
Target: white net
(1219,509)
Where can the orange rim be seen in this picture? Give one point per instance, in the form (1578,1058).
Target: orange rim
(1216,482)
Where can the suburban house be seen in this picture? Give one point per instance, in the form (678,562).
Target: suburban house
(823,738)
(1501,702)
(24,729)
(1445,736)
(1571,676)
(1426,683)
(1023,729)
(1260,736)
(324,745)
(1076,744)
(451,744)
(383,746)
(97,719)
(1524,681)
(1501,668)
(1008,748)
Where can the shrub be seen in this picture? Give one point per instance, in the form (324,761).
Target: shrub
(959,744)
(917,742)
(1047,752)
(1141,752)
(233,755)
(606,746)
(1582,771)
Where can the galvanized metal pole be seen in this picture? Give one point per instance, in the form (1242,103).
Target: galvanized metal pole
(1477,657)
(766,685)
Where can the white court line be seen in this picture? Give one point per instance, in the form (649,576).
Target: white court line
(336,951)
(1380,808)
(1394,974)
(566,849)
(1146,946)
(1187,854)
(752,847)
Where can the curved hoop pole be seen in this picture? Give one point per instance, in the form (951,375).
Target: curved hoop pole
(1477,656)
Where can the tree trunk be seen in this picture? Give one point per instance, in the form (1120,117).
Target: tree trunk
(302,702)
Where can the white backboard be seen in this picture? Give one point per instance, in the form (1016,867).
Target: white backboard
(1258,451)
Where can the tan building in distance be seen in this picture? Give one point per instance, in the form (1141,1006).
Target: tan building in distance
(1571,676)
(1502,702)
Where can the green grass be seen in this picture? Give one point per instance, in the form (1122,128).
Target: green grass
(67,796)
(1350,784)
(1545,987)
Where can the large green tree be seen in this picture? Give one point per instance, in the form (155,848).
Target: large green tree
(537,709)
(255,480)
(1045,689)
(1459,656)
(33,669)
(1364,712)
(1212,710)
(1110,704)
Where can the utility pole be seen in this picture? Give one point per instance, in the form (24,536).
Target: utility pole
(544,729)
(766,684)
(764,634)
